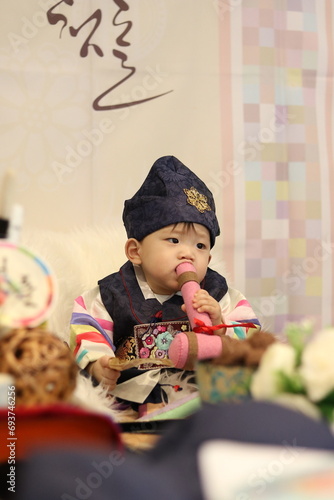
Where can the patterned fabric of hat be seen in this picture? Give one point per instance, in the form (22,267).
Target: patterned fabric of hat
(171,193)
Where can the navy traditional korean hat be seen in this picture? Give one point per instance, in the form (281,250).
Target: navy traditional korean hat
(171,193)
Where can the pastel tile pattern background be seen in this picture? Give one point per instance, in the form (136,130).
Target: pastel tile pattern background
(284,210)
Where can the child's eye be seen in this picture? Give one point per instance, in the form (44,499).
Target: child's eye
(173,240)
(201,246)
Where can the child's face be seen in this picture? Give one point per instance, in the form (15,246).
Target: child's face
(161,252)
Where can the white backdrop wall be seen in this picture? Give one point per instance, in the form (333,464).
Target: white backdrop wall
(76,164)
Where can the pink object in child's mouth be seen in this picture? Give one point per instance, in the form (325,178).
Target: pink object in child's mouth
(189,286)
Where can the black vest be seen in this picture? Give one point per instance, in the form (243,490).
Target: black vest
(125,303)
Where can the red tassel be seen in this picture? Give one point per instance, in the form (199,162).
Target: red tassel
(203,328)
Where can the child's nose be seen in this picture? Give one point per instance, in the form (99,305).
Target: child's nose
(186,253)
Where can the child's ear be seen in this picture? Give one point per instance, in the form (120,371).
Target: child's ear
(132,247)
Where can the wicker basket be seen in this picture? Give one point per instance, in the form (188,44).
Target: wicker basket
(41,364)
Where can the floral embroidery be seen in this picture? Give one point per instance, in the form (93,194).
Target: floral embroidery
(148,340)
(153,340)
(160,353)
(164,340)
(144,352)
(198,200)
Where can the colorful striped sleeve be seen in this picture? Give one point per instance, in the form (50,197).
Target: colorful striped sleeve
(91,329)
(236,309)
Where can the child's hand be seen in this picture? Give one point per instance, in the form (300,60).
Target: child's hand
(100,370)
(203,302)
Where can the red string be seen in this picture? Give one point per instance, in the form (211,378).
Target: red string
(203,328)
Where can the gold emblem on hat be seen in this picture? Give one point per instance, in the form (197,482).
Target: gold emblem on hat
(197,199)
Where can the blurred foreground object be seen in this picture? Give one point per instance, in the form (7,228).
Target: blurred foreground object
(41,365)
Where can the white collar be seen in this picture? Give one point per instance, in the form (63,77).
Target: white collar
(146,290)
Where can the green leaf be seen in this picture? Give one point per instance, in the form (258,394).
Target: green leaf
(297,335)
(290,383)
(326,406)
(327,411)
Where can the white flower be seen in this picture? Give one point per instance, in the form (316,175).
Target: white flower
(300,403)
(317,365)
(265,381)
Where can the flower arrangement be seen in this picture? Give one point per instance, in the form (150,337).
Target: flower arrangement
(299,373)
